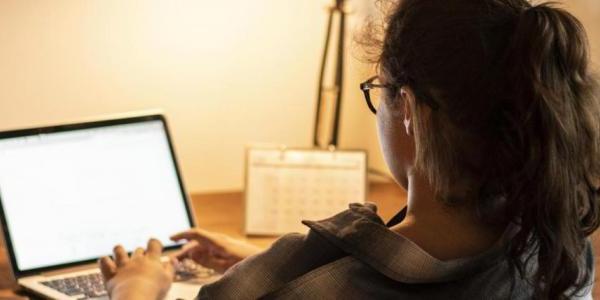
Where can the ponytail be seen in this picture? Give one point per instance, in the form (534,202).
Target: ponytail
(555,113)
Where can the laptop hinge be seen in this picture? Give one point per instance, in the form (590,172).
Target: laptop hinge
(69,270)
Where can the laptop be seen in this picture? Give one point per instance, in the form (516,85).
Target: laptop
(70,193)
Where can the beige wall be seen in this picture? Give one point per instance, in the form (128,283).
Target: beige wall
(227,73)
(588,12)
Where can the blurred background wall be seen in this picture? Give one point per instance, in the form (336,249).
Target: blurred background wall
(226,73)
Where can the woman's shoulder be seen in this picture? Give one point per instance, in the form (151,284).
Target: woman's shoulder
(350,254)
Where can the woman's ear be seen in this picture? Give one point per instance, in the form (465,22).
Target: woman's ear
(408,98)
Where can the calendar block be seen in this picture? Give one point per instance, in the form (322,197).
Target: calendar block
(286,186)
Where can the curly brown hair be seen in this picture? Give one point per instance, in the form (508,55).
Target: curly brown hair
(517,135)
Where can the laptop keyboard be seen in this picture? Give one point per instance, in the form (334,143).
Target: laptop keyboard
(89,286)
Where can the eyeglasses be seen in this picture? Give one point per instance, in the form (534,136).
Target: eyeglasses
(372,94)
(374,97)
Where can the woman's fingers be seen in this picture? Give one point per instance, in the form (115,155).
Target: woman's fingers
(170,268)
(139,252)
(195,251)
(121,257)
(196,234)
(189,235)
(219,264)
(184,251)
(107,267)
(154,249)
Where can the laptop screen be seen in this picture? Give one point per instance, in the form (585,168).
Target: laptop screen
(72,195)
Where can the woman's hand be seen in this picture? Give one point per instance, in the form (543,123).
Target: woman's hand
(141,276)
(213,250)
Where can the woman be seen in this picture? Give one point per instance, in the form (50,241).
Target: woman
(490,118)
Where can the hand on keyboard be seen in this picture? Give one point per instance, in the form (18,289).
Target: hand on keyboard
(141,276)
(213,250)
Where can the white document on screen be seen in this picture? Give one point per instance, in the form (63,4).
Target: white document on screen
(72,196)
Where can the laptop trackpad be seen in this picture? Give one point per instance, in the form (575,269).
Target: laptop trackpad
(183,291)
(189,289)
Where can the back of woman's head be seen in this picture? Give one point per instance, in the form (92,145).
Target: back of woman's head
(516,132)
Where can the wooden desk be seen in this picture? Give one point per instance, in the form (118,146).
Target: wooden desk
(223,212)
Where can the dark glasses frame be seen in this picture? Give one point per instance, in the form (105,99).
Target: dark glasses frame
(368,85)
(366,88)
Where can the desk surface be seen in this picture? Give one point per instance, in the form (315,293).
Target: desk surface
(223,212)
